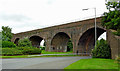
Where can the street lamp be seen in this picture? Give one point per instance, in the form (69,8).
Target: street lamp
(95,23)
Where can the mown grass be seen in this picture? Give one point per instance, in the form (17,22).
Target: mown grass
(18,56)
(47,52)
(93,63)
(43,52)
(29,56)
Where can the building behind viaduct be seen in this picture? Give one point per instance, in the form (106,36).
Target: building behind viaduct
(81,33)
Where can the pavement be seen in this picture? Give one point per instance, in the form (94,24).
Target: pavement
(40,63)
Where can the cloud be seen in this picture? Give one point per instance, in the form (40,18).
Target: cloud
(13,17)
(113,0)
(49,2)
(22,15)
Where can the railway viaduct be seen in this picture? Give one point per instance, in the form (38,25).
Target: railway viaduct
(56,38)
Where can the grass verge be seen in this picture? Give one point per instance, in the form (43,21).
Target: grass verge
(28,56)
(19,56)
(47,52)
(93,63)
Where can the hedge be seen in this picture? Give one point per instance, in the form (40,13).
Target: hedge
(11,51)
(9,44)
(29,50)
(102,50)
(24,42)
(20,51)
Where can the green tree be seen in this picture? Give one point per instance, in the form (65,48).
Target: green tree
(102,50)
(69,45)
(6,33)
(24,42)
(6,44)
(111,19)
(0,43)
(0,39)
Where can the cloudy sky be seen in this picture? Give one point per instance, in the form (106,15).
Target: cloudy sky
(25,15)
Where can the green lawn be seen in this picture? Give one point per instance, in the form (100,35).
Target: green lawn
(93,63)
(47,52)
(28,56)
(43,52)
(19,56)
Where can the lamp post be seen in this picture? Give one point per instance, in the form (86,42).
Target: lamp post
(95,23)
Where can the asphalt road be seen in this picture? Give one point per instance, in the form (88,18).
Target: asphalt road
(39,63)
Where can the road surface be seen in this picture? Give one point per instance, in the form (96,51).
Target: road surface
(39,63)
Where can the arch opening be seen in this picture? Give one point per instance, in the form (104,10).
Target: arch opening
(102,36)
(87,41)
(42,44)
(59,42)
(35,40)
(16,41)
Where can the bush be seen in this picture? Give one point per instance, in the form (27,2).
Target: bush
(0,43)
(102,50)
(0,39)
(42,48)
(20,51)
(11,51)
(8,44)
(29,50)
(116,33)
(69,45)
(24,43)
(117,60)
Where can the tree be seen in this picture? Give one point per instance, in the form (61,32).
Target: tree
(6,33)
(0,39)
(111,19)
(101,50)
(24,42)
(69,45)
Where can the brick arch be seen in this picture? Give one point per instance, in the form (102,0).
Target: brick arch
(59,42)
(87,39)
(35,40)
(16,40)
(67,33)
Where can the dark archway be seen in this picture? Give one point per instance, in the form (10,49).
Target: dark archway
(87,40)
(16,41)
(59,42)
(35,40)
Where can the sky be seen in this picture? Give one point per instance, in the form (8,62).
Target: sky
(26,15)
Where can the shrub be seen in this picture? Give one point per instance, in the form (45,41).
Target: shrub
(24,43)
(29,50)
(8,44)
(69,45)
(0,39)
(11,51)
(0,43)
(102,50)
(42,48)
(20,51)
(117,60)
(116,33)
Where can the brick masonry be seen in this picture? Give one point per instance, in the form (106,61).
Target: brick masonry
(114,42)
(81,34)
